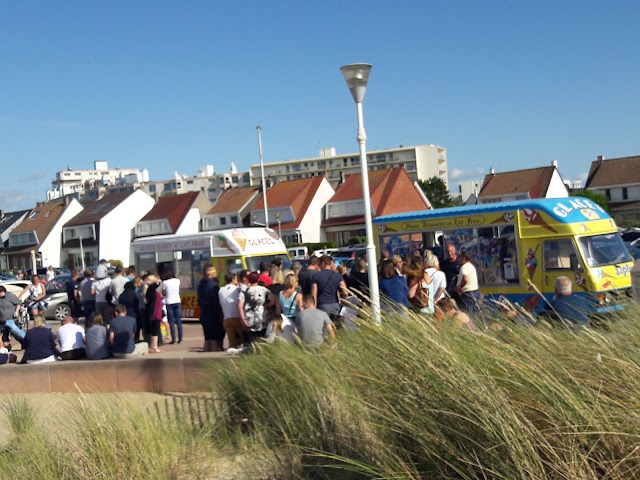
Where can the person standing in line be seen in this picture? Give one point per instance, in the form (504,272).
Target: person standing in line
(129,299)
(130,273)
(251,305)
(327,287)
(296,268)
(229,296)
(142,301)
(171,292)
(99,289)
(117,285)
(70,337)
(73,296)
(88,297)
(210,311)
(358,279)
(392,285)
(420,284)
(265,279)
(432,265)
(289,300)
(468,284)
(96,339)
(121,336)
(305,277)
(153,311)
(450,266)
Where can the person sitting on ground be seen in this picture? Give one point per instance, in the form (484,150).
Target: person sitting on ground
(71,340)
(313,324)
(96,340)
(568,307)
(39,343)
(122,334)
(279,328)
(392,285)
(450,311)
(6,356)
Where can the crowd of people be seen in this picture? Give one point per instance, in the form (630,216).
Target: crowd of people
(124,313)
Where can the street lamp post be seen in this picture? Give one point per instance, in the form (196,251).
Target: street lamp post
(264,182)
(357,76)
(279,225)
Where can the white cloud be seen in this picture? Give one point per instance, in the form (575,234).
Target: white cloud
(37,175)
(472,174)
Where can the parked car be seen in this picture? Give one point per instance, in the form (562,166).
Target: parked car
(634,249)
(343,255)
(58,306)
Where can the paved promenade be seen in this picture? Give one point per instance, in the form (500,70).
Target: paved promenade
(179,368)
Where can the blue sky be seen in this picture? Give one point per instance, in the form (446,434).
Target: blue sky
(175,85)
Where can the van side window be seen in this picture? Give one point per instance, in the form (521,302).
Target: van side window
(559,254)
(233,265)
(497,256)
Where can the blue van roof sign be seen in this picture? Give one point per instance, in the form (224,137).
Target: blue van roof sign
(565,210)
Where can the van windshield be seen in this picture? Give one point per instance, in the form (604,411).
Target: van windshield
(606,249)
(253,263)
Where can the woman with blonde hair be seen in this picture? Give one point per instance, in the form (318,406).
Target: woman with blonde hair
(39,343)
(289,300)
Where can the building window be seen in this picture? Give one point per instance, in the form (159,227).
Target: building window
(607,193)
(234,179)
(234,219)
(152,189)
(625,194)
(223,220)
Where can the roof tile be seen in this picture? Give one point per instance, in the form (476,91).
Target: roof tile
(532,181)
(615,171)
(173,208)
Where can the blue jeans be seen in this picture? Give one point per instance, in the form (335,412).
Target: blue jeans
(11,327)
(174,314)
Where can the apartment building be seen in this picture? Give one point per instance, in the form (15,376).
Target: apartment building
(420,162)
(94,183)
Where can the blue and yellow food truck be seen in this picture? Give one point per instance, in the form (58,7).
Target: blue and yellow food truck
(521,244)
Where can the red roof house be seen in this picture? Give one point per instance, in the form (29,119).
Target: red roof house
(540,182)
(392,191)
(179,214)
(295,208)
(232,209)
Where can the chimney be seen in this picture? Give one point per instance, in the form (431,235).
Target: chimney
(554,163)
(1,213)
(341,178)
(492,171)
(67,200)
(600,158)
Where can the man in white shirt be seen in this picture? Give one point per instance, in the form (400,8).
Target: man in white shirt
(228,296)
(468,284)
(71,340)
(117,284)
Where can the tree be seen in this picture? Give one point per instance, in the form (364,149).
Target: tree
(436,191)
(594,197)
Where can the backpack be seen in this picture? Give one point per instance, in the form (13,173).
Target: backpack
(254,300)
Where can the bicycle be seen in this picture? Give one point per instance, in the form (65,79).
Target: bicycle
(22,321)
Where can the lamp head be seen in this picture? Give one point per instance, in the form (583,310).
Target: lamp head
(357,75)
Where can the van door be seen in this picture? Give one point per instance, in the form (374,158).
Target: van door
(560,259)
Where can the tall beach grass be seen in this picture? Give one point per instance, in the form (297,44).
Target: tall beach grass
(409,400)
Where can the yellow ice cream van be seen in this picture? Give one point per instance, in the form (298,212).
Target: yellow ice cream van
(514,243)
(228,250)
